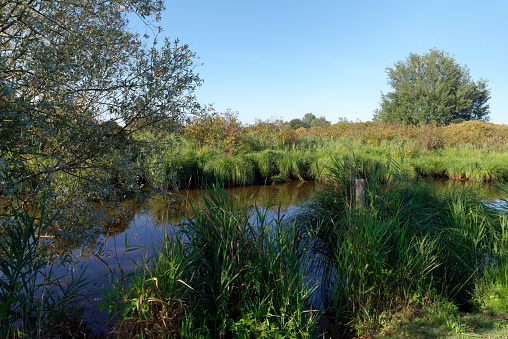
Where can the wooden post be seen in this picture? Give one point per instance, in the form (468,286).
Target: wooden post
(360,193)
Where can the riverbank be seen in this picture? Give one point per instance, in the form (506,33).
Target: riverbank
(472,151)
(411,253)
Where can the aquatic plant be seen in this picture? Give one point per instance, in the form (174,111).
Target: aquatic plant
(406,239)
(34,300)
(226,273)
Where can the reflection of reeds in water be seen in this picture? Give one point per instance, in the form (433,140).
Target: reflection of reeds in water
(173,207)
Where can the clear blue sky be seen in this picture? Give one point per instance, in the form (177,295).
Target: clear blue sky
(278,59)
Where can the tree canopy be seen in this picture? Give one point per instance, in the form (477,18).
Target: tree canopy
(76,85)
(309,120)
(433,88)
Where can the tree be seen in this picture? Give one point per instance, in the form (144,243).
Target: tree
(309,120)
(296,124)
(76,87)
(219,130)
(320,122)
(433,88)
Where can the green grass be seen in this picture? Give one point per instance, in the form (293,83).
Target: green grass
(231,170)
(402,263)
(34,301)
(407,240)
(227,273)
(440,319)
(308,162)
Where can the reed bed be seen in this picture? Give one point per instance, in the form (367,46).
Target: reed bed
(408,247)
(228,272)
(408,243)
(472,151)
(35,302)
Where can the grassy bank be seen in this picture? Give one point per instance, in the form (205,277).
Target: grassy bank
(472,151)
(408,247)
(410,253)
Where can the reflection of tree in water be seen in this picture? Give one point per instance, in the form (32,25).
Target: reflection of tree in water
(107,219)
(489,191)
(172,208)
(119,216)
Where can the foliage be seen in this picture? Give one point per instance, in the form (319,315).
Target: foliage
(309,120)
(33,299)
(221,131)
(265,135)
(77,86)
(227,273)
(433,88)
(473,150)
(406,240)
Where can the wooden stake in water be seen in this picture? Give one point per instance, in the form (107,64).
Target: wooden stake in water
(360,193)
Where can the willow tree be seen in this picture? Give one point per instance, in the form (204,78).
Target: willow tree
(76,87)
(433,88)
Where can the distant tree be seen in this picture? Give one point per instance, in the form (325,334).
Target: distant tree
(307,120)
(295,124)
(321,121)
(433,88)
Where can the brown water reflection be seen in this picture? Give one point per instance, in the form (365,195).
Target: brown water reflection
(172,207)
(133,232)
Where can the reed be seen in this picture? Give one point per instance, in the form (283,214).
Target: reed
(230,271)
(249,273)
(229,169)
(265,163)
(295,165)
(34,300)
(154,300)
(407,240)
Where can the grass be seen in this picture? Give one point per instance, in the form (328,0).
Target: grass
(441,319)
(227,273)
(419,151)
(34,301)
(405,263)
(407,241)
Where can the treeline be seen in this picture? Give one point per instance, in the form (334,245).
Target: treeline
(224,132)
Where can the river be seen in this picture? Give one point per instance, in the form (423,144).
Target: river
(134,230)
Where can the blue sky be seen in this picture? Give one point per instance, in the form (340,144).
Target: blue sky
(282,59)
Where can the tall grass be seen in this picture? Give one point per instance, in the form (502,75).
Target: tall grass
(34,301)
(407,240)
(231,170)
(228,273)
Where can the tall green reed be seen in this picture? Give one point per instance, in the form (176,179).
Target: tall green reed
(229,271)
(249,272)
(34,300)
(406,240)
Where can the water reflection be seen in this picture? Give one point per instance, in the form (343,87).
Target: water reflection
(174,206)
(131,231)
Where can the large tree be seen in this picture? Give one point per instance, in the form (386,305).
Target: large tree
(76,85)
(433,88)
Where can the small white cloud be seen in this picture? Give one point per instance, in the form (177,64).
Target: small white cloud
(327,95)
